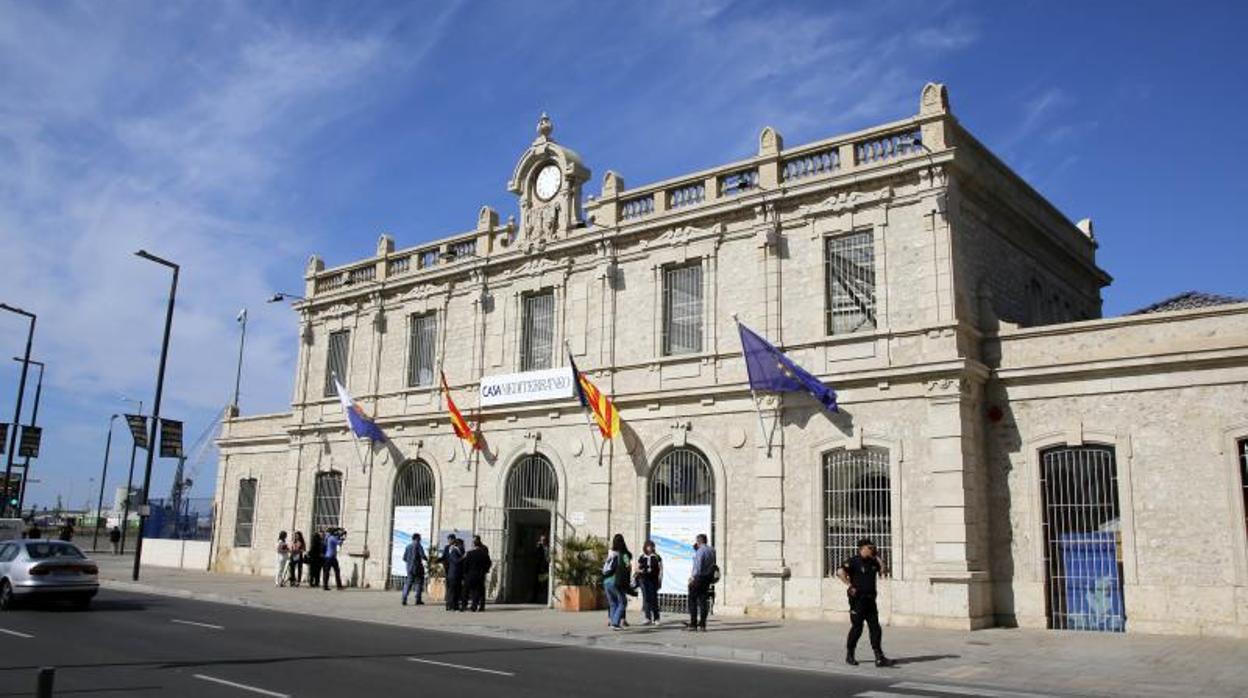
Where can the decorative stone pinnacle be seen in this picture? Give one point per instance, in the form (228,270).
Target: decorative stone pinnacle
(544,126)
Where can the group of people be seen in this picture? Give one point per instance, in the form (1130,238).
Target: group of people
(623,576)
(466,572)
(320,555)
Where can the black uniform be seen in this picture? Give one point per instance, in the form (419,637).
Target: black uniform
(862,572)
(476,565)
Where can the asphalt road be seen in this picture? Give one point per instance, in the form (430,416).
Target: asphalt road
(139,645)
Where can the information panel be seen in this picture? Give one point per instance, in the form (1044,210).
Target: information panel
(408,520)
(673,530)
(530,386)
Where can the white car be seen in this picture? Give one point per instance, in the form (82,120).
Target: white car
(46,569)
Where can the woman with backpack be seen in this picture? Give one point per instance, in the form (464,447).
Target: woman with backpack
(617,572)
(650,579)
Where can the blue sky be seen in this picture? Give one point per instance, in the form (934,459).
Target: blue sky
(239,138)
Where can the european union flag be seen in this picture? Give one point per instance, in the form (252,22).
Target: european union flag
(770,369)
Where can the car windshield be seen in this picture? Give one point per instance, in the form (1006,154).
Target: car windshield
(52,550)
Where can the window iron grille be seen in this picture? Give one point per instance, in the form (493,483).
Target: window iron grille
(538,331)
(421,349)
(850,276)
(857,503)
(682,309)
(246,515)
(336,360)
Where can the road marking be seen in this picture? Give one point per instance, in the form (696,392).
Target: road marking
(243,686)
(885,694)
(197,624)
(461,666)
(14,633)
(964,690)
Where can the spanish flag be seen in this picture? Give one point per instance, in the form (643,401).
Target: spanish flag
(462,430)
(605,414)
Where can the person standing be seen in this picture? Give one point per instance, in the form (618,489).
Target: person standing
(414,558)
(114,537)
(315,555)
(297,549)
(617,570)
(333,541)
(477,565)
(701,577)
(453,559)
(282,560)
(859,574)
(67,531)
(541,583)
(650,579)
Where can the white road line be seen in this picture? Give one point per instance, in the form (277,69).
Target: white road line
(14,633)
(197,624)
(885,694)
(461,666)
(241,686)
(964,690)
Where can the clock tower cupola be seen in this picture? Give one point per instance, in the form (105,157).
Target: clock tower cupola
(548,180)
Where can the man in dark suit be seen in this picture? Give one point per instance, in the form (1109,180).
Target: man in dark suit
(453,559)
(476,566)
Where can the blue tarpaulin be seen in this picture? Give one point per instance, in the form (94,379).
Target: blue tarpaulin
(1093,588)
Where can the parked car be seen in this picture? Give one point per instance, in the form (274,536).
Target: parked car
(46,569)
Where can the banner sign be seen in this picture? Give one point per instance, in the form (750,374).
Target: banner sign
(673,530)
(408,520)
(530,386)
(138,429)
(170,438)
(28,442)
(4,437)
(1093,588)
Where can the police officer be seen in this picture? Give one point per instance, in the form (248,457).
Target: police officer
(859,573)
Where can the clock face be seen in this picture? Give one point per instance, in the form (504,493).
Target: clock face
(547,183)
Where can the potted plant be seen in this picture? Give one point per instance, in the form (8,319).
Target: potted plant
(578,572)
(435,577)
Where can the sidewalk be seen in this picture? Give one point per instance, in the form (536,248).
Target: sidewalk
(1037,661)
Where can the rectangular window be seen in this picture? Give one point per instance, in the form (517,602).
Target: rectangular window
(327,501)
(424,336)
(849,262)
(336,360)
(857,503)
(1243,476)
(682,309)
(538,338)
(246,514)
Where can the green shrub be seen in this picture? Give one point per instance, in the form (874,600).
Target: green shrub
(579,561)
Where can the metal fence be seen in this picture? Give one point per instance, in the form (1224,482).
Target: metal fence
(187,519)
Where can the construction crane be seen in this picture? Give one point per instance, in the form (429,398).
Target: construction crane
(183,477)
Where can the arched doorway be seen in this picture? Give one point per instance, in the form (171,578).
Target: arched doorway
(530,498)
(411,511)
(680,504)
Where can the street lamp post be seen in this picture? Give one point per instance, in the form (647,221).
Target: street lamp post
(99,505)
(160,387)
(17,411)
(238,376)
(34,421)
(125,507)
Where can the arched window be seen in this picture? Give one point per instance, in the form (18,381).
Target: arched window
(412,508)
(532,484)
(327,500)
(682,477)
(857,503)
(1083,538)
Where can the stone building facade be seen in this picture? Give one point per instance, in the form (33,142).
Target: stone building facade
(1020,459)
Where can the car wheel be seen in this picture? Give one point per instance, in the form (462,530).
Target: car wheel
(6,595)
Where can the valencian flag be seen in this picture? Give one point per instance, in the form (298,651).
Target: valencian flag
(771,370)
(462,430)
(605,414)
(360,424)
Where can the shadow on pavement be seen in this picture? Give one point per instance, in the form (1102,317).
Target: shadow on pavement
(924,658)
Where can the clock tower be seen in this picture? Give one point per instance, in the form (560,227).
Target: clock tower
(548,179)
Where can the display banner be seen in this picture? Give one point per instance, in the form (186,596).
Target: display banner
(530,386)
(408,520)
(673,530)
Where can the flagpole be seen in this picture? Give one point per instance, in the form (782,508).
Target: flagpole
(594,431)
(762,428)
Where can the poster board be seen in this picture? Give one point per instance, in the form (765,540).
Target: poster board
(407,520)
(673,530)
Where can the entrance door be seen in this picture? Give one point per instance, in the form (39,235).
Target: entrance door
(1083,539)
(531,497)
